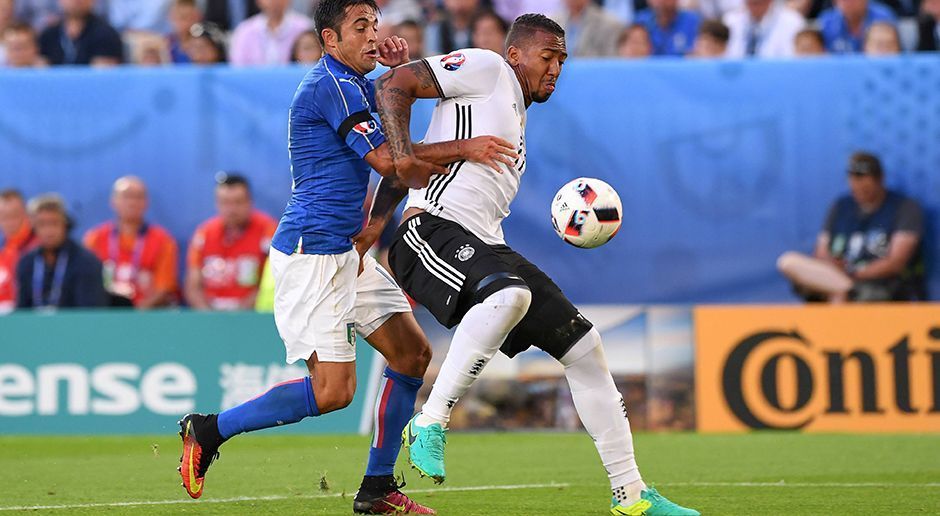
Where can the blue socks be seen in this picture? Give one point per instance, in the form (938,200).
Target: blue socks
(285,403)
(394,407)
(291,401)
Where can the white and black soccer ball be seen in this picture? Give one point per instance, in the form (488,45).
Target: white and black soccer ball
(586,212)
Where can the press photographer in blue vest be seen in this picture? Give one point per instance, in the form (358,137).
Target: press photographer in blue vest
(869,248)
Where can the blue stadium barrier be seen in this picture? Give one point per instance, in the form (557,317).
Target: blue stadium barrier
(721,165)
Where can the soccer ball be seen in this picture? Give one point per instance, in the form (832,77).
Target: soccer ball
(586,212)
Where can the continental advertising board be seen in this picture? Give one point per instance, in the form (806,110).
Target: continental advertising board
(853,368)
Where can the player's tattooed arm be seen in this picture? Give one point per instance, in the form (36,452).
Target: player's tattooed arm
(388,195)
(396,91)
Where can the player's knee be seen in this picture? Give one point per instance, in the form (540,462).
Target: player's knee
(334,395)
(422,358)
(330,400)
(415,361)
(786,262)
(516,296)
(589,344)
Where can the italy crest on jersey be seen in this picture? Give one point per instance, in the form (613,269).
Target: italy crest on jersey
(453,61)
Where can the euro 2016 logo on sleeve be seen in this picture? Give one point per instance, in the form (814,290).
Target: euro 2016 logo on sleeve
(365,128)
(451,62)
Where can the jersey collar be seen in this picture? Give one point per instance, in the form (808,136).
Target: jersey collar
(337,66)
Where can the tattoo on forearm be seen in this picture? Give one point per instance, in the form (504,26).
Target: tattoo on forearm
(426,76)
(394,104)
(388,195)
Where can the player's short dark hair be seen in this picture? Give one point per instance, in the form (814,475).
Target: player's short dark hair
(232,179)
(813,33)
(330,14)
(715,29)
(528,25)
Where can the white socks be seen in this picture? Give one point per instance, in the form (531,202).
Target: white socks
(479,335)
(604,415)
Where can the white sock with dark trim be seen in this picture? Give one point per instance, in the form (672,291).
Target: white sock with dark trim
(604,415)
(479,336)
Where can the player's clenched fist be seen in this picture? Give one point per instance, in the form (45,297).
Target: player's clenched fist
(393,52)
(490,151)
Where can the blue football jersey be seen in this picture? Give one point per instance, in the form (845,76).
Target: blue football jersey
(331,129)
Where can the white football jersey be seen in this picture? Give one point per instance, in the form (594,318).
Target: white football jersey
(481,97)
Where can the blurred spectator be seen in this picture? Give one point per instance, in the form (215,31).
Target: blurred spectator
(928,26)
(764,28)
(183,15)
(21,46)
(672,31)
(58,273)
(307,49)
(844,25)
(512,9)
(810,9)
(412,32)
(882,40)
(206,45)
(809,42)
(140,259)
(147,48)
(266,38)
(6,21)
(590,31)
(451,30)
(634,42)
(488,31)
(18,238)
(38,13)
(138,15)
(623,10)
(712,9)
(227,253)
(394,12)
(869,248)
(712,40)
(81,37)
(227,14)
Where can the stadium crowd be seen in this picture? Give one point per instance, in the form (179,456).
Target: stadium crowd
(137,261)
(276,32)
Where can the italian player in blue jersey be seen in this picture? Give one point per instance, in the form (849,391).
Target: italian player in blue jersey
(326,289)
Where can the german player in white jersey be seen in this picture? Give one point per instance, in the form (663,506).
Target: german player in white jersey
(449,253)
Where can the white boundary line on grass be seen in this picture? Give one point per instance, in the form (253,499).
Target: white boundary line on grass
(461,489)
(783,483)
(271,498)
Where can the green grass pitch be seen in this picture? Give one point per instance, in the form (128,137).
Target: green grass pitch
(543,473)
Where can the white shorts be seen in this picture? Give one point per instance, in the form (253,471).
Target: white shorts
(320,303)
